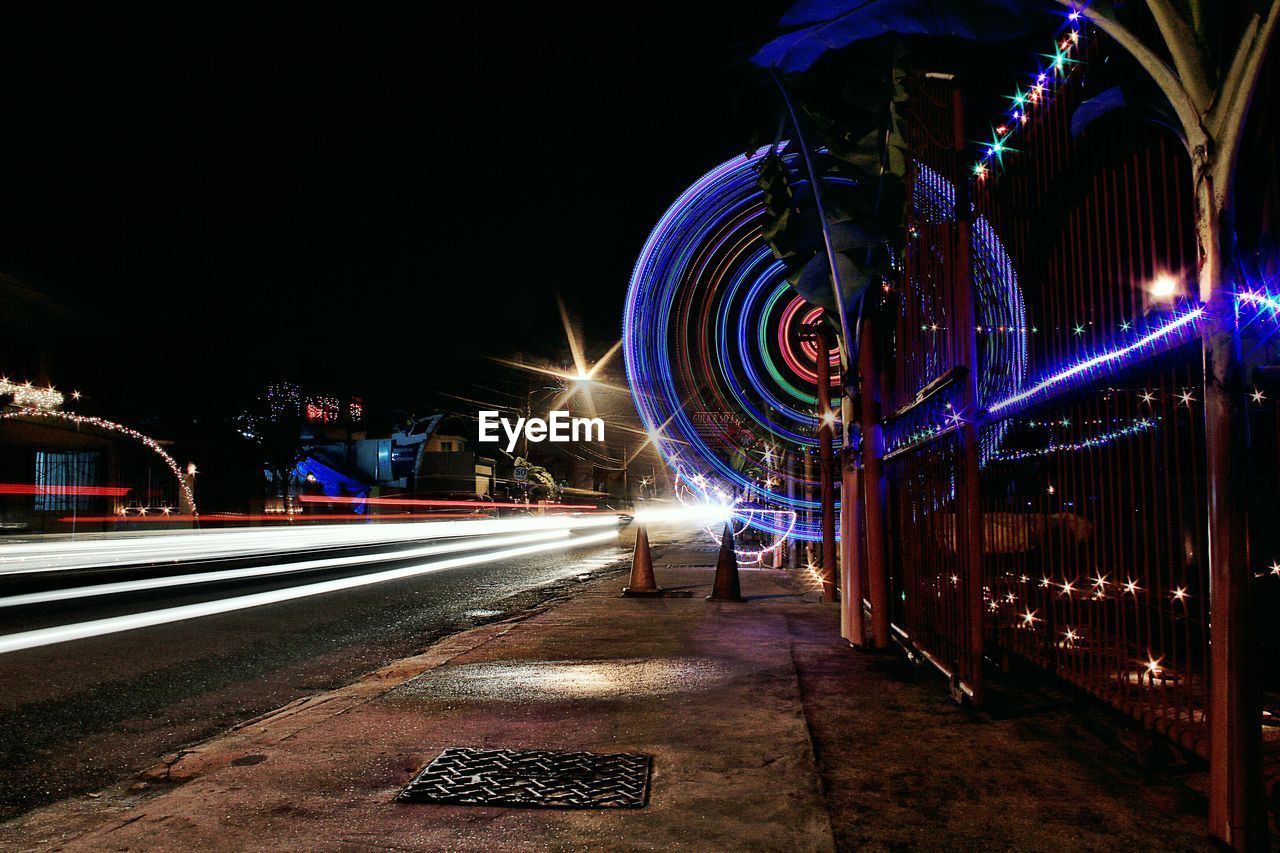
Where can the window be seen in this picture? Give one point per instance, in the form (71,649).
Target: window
(59,475)
(446,446)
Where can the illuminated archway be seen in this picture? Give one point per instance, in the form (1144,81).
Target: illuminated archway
(120,429)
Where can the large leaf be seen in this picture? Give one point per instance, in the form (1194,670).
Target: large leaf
(827,25)
(1140,97)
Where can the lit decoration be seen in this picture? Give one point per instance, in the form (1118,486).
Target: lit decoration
(324,409)
(1275,567)
(283,398)
(1258,397)
(111,426)
(1029,618)
(719,355)
(1179,594)
(1131,587)
(1092,442)
(1001,312)
(1066,49)
(1177,329)
(355,410)
(30,396)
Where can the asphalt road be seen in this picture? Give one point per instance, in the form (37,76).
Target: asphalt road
(80,715)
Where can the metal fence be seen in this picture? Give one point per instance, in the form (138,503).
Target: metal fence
(1086,554)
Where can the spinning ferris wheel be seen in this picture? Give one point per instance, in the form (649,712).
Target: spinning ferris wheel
(719,357)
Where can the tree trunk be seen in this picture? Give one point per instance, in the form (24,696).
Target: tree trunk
(1236,811)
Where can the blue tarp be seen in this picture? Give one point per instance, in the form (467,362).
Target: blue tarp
(334,482)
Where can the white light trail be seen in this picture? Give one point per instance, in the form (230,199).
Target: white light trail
(116,624)
(195,578)
(25,557)
(701,512)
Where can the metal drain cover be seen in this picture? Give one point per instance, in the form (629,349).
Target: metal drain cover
(533,778)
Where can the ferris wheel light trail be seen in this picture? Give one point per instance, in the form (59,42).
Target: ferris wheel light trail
(720,354)
(133,621)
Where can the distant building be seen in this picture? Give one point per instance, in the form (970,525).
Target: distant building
(62,473)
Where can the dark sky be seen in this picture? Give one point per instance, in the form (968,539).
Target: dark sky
(356,198)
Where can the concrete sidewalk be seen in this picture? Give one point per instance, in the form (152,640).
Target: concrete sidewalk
(766,733)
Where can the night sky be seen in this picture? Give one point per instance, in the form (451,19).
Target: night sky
(368,200)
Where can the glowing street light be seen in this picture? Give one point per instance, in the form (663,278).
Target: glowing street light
(1164,288)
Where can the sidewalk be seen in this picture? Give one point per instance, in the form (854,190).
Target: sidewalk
(766,733)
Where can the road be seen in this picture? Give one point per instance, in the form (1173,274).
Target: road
(78,715)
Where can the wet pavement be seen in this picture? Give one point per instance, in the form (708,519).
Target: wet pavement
(77,716)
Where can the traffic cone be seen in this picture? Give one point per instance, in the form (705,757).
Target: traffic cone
(726,587)
(643,584)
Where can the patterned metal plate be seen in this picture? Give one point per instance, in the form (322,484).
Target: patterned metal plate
(533,778)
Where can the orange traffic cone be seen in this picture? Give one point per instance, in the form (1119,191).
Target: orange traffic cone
(726,586)
(643,583)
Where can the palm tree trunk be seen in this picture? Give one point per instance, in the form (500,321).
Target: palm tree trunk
(1237,814)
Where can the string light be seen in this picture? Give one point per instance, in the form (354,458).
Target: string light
(1138,426)
(28,395)
(1162,336)
(1066,42)
(112,426)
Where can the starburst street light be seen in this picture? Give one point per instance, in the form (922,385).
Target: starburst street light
(1164,288)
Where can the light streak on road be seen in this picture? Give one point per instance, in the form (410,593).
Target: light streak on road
(133,621)
(349,499)
(696,513)
(60,490)
(195,578)
(159,547)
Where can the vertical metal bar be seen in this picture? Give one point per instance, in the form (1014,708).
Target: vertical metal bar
(873,485)
(851,593)
(966,338)
(826,464)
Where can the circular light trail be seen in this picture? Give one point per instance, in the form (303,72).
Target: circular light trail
(722,367)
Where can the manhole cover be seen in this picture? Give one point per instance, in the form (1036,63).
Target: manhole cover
(533,778)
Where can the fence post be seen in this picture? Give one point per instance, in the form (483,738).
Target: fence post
(873,485)
(851,594)
(966,342)
(826,434)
